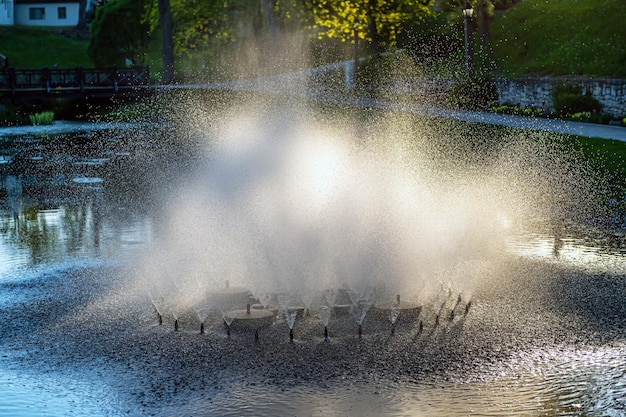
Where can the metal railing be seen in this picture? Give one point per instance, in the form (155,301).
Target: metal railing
(59,81)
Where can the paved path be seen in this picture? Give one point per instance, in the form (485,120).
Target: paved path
(295,85)
(298,84)
(591,130)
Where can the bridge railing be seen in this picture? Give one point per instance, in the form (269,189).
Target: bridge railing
(57,81)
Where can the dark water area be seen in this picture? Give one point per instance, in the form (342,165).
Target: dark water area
(543,335)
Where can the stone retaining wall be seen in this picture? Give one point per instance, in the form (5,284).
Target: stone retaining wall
(522,91)
(611,93)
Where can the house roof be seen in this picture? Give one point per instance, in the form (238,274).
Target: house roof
(44,1)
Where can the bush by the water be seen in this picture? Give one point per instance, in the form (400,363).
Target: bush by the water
(9,117)
(43,118)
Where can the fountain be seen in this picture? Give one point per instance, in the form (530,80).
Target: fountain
(299,218)
(296,224)
(290,318)
(250,319)
(361,303)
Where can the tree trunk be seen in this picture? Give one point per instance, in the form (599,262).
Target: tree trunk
(270,20)
(355,73)
(82,15)
(373,29)
(483,30)
(165,18)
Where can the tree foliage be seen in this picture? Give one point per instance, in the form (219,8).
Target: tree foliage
(376,21)
(198,23)
(118,32)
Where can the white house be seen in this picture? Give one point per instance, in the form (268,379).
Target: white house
(41,12)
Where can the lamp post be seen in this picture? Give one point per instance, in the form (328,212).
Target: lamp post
(469,59)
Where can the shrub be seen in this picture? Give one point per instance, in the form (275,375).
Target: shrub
(568,99)
(583,116)
(43,118)
(530,111)
(11,118)
(473,93)
(118,32)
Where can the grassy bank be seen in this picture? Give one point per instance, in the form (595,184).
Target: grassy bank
(38,48)
(534,37)
(561,37)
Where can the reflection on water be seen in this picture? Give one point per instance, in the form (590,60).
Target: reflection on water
(569,251)
(40,395)
(47,233)
(567,382)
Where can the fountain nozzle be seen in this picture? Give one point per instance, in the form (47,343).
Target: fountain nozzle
(326,338)
(201,328)
(160,318)
(291,335)
(248,308)
(176,325)
(360,331)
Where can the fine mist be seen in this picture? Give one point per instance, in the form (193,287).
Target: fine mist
(300,199)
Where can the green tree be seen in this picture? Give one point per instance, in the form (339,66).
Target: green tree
(196,23)
(376,21)
(119,32)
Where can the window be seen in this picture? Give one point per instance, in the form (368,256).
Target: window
(36,13)
(62,13)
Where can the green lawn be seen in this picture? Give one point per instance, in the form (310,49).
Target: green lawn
(562,38)
(38,48)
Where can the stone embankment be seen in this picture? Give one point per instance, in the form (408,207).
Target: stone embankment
(526,92)
(537,92)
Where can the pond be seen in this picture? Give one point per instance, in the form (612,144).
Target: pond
(114,244)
